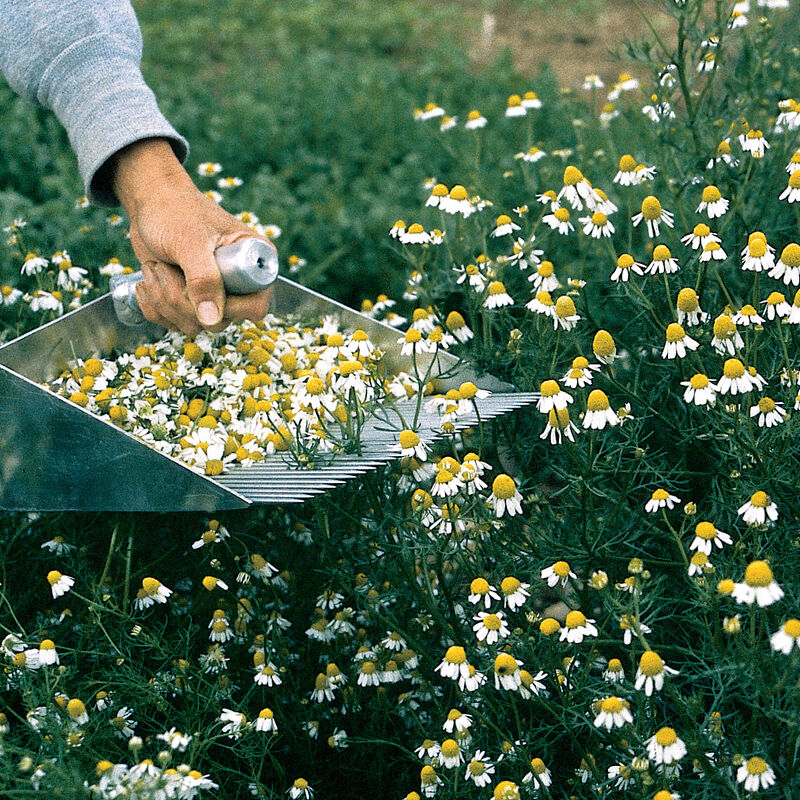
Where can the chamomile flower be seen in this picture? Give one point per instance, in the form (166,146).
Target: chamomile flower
(654,215)
(627,174)
(727,338)
(758,255)
(746,316)
(411,446)
(612,712)
(531,155)
(398,229)
(598,411)
(60,584)
(614,671)
(475,120)
(414,234)
(662,262)
(552,396)
(559,425)
(458,202)
(736,379)
(651,672)
(753,142)
(577,627)
(559,220)
(755,774)
(430,111)
(758,509)
(479,770)
(515,592)
(712,202)
(724,155)
(497,296)
(625,266)
(454,664)
(514,107)
(544,277)
(775,306)
(631,627)
(786,637)
(706,536)
(559,572)
(769,412)
(688,308)
(712,251)
(504,226)
(542,303)
(580,374)
(597,225)
(787,267)
(539,774)
(792,191)
(664,746)
(505,497)
(438,193)
(490,628)
(700,236)
(300,790)
(677,342)
(759,586)
(209,168)
(481,591)
(229,183)
(661,499)
(566,316)
(507,672)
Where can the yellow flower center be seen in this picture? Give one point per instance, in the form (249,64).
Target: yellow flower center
(791,255)
(408,439)
(733,368)
(492,622)
(612,705)
(794,180)
(75,708)
(651,208)
(760,499)
(474,114)
(503,219)
(711,194)
(561,214)
(413,336)
(666,737)
(701,229)
(458,192)
(756,765)
(675,332)
(546,268)
(572,175)
(561,568)
(476,768)
(454,321)
(151,585)
(661,253)
(496,287)
(510,585)
(687,300)
(603,344)
(599,219)
(544,298)
(575,619)
(505,664)
(614,665)
(792,628)
(705,530)
(514,100)
(456,655)
(651,664)
(766,405)
(479,586)
(565,307)
(758,574)
(627,163)
(549,626)
(597,401)
(503,487)
(538,766)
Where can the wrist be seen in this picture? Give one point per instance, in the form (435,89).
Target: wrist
(141,169)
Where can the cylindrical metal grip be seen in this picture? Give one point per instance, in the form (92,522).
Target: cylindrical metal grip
(247,266)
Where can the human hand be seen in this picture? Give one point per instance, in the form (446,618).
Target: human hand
(175,230)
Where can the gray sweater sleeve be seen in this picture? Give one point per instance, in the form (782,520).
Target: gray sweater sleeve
(81,59)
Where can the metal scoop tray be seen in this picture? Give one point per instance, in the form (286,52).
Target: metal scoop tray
(55,455)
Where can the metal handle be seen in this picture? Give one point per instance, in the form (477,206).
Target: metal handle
(246,266)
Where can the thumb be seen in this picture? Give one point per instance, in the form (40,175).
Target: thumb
(204,287)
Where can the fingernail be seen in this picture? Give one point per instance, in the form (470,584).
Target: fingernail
(208,313)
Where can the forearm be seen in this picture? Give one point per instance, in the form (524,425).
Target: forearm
(81,58)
